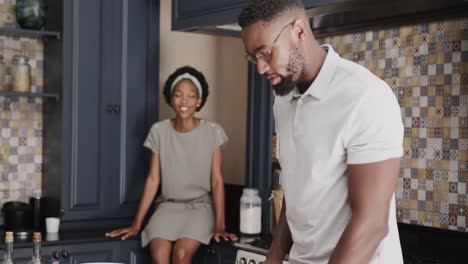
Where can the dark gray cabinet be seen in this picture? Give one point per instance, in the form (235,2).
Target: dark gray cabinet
(128,252)
(105,69)
(215,254)
(132,253)
(205,16)
(83,253)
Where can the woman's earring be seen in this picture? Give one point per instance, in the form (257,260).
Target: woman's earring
(198,105)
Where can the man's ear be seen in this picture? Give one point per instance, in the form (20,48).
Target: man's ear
(299,29)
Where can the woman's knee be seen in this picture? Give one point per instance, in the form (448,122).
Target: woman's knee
(182,255)
(160,252)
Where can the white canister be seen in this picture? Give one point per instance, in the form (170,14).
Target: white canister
(250,212)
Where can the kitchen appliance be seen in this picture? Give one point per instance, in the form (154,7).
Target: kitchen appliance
(253,251)
(18,218)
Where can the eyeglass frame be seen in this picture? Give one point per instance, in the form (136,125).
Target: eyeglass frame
(266,55)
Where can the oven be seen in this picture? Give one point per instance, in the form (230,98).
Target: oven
(253,251)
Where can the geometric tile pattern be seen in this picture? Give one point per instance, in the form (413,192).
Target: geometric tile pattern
(20,119)
(426,65)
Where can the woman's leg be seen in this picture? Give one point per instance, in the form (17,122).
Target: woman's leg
(160,251)
(184,249)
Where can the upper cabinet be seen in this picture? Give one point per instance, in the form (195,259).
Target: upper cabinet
(215,16)
(325,16)
(94,162)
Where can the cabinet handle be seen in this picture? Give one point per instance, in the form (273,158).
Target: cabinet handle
(65,254)
(56,255)
(117,109)
(110,108)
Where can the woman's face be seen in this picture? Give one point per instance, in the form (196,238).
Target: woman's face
(185,98)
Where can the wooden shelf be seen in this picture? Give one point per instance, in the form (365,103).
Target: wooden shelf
(29,94)
(29,33)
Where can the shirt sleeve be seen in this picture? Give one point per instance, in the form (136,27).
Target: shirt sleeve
(375,130)
(153,139)
(220,137)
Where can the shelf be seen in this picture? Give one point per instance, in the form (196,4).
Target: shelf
(29,33)
(27,94)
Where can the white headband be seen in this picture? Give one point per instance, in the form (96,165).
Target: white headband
(190,77)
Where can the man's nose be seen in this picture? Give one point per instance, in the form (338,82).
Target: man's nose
(262,66)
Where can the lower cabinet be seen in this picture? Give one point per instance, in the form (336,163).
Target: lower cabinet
(132,253)
(128,252)
(215,254)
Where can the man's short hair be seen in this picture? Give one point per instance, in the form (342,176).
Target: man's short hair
(265,10)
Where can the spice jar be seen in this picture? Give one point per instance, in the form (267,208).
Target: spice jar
(3,82)
(21,72)
(250,212)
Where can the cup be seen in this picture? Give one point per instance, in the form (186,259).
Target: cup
(52,224)
(52,236)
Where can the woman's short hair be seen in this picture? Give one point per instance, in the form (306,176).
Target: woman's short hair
(192,71)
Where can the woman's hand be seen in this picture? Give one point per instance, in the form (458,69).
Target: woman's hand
(124,232)
(225,235)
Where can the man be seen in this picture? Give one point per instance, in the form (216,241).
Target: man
(340,135)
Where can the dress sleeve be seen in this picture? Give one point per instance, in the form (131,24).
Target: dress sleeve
(153,139)
(220,136)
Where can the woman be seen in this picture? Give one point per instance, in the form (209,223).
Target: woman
(186,160)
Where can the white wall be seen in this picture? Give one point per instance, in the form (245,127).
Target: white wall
(221,59)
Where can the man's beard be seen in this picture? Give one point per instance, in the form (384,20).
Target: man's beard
(285,86)
(296,67)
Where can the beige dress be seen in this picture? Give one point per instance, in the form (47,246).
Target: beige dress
(184,208)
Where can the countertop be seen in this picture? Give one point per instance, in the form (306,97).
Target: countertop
(64,238)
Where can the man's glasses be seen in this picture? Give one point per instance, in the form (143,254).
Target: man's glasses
(265,55)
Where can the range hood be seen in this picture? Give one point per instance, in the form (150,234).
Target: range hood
(344,16)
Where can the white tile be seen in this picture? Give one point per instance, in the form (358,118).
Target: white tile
(448,68)
(423,101)
(456,56)
(464,45)
(461,221)
(462,188)
(453,198)
(454,132)
(431,69)
(414,184)
(421,195)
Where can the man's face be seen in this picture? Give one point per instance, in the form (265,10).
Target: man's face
(276,53)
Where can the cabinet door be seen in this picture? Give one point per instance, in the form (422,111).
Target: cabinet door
(96,252)
(21,255)
(132,253)
(88,57)
(109,105)
(133,90)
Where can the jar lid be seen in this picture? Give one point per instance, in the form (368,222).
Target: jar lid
(250,191)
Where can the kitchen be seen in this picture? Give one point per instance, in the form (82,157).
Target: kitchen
(431,191)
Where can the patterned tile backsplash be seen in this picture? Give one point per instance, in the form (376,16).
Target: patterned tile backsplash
(425,64)
(427,67)
(20,118)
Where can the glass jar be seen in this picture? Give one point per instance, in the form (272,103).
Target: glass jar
(21,74)
(3,82)
(250,212)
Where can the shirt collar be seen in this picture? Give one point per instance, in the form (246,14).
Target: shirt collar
(320,86)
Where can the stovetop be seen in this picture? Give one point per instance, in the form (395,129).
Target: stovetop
(257,245)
